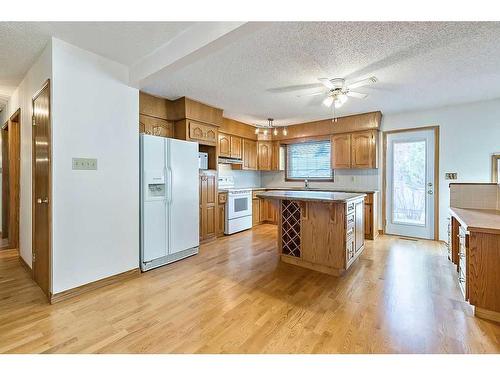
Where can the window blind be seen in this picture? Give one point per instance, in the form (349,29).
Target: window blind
(309,160)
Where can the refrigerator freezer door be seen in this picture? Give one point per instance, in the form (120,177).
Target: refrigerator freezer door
(154,218)
(182,164)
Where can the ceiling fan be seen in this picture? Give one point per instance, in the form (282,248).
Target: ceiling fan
(339,92)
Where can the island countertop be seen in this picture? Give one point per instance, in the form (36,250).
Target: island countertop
(318,196)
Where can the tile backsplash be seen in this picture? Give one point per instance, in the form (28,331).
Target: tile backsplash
(362,179)
(242,179)
(480,196)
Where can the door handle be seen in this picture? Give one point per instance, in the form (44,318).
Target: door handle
(44,200)
(430,192)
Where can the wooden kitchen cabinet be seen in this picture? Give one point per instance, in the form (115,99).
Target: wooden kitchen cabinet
(230,146)
(203,133)
(236,149)
(275,156)
(341,151)
(221,214)
(268,212)
(224,145)
(256,211)
(359,230)
(364,149)
(264,155)
(208,202)
(356,150)
(249,154)
(371,215)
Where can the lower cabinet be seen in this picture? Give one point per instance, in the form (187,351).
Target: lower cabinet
(256,211)
(208,209)
(371,215)
(221,214)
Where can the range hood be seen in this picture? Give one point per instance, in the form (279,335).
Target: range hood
(224,160)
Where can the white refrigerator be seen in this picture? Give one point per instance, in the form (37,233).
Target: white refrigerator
(169,223)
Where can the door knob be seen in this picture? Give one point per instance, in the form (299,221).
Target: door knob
(44,200)
(430,192)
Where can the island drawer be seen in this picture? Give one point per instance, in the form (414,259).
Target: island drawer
(350,220)
(350,249)
(350,207)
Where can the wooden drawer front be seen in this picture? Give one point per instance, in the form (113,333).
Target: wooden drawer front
(207,134)
(222,198)
(349,233)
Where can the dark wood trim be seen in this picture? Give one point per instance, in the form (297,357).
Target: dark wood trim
(436,174)
(25,265)
(115,279)
(33,199)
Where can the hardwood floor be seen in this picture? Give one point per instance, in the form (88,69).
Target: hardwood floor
(236,297)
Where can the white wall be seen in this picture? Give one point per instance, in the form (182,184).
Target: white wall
(95,213)
(469,135)
(21,98)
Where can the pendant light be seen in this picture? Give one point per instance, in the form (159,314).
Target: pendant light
(270,127)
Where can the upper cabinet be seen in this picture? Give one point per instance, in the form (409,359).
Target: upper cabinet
(203,133)
(183,108)
(236,151)
(341,151)
(230,146)
(249,154)
(264,155)
(356,150)
(224,145)
(364,149)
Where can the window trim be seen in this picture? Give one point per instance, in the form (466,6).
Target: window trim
(313,179)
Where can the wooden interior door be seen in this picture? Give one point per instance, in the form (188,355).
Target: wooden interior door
(5,181)
(41,189)
(14,177)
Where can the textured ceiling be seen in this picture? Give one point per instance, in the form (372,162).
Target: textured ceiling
(124,42)
(419,65)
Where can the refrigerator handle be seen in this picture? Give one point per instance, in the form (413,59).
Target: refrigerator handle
(169,175)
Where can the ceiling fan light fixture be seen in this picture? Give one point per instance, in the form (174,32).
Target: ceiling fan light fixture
(327,102)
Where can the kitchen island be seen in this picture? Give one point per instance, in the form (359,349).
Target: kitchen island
(323,231)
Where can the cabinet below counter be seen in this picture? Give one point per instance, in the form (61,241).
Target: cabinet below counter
(323,231)
(474,239)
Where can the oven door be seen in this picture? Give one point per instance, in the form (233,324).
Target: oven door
(239,206)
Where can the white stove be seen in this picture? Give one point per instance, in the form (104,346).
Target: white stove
(238,206)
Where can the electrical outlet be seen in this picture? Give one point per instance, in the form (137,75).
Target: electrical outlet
(450,176)
(85,164)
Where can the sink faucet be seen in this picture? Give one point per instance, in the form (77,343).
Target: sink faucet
(306,184)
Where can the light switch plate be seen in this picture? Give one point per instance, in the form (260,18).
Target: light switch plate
(85,164)
(450,176)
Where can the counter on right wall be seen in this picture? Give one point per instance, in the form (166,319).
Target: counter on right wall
(468,135)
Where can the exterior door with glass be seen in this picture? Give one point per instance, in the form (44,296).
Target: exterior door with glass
(410,183)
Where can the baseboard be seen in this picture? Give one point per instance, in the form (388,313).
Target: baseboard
(380,231)
(487,314)
(115,279)
(25,265)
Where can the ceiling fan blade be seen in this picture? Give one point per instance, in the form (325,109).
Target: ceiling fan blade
(357,95)
(363,82)
(312,94)
(327,83)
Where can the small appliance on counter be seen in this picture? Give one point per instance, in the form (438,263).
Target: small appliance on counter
(238,206)
(203,160)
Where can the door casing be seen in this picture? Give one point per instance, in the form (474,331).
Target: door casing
(436,175)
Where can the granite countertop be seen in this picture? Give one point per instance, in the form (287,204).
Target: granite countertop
(319,196)
(363,191)
(476,220)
